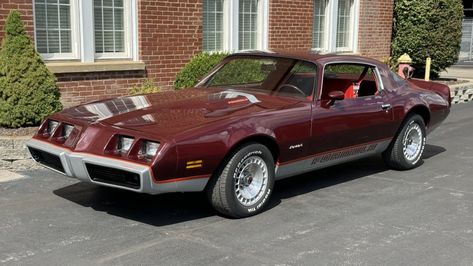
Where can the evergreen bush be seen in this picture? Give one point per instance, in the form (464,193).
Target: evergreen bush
(428,28)
(199,65)
(28,91)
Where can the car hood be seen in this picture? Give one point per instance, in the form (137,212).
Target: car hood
(168,113)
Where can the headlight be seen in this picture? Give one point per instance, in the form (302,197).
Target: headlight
(124,144)
(52,125)
(149,148)
(66,130)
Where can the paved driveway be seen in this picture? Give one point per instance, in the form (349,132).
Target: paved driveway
(358,213)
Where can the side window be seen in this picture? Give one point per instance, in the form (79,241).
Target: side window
(301,78)
(354,80)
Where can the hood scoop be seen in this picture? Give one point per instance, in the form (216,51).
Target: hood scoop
(227,102)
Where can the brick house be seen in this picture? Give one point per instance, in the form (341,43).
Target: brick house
(101,48)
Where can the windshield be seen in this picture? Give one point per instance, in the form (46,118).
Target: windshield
(278,76)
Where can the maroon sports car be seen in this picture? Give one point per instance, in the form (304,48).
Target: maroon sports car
(256,118)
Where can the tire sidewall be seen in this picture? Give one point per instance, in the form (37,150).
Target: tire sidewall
(420,122)
(240,156)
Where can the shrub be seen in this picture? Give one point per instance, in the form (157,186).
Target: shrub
(148,86)
(28,91)
(429,28)
(240,71)
(199,65)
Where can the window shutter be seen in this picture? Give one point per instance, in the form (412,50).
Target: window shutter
(213,25)
(53,26)
(248,24)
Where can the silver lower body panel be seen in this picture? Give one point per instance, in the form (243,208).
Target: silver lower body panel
(327,159)
(74,164)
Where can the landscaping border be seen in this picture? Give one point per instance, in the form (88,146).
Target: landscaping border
(462,93)
(13,154)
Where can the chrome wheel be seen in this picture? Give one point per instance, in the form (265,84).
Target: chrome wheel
(412,142)
(251,180)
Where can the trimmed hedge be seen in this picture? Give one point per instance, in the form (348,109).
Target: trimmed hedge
(199,65)
(28,91)
(428,28)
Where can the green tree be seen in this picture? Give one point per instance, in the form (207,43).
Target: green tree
(428,28)
(28,91)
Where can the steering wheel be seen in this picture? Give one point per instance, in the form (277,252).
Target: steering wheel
(294,87)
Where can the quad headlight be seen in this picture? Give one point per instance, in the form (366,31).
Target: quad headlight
(66,130)
(149,149)
(52,125)
(124,144)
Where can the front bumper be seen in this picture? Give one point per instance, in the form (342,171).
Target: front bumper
(75,164)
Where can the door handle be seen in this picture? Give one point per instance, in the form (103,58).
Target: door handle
(386,106)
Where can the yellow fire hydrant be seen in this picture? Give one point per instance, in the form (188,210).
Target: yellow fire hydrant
(404,62)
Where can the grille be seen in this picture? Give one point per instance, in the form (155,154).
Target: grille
(47,159)
(113,176)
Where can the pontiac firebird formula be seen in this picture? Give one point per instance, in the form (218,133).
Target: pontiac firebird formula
(256,118)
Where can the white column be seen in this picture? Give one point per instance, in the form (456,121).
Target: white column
(86,17)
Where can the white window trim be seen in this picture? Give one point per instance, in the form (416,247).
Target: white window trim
(75,36)
(82,37)
(331,25)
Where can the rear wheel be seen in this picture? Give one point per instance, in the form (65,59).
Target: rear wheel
(405,152)
(245,182)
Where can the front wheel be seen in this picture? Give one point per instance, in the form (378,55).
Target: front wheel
(245,182)
(405,152)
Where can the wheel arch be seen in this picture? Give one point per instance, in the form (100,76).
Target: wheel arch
(421,110)
(265,140)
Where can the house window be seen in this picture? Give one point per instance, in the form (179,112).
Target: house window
(235,25)
(109,26)
(86,30)
(335,25)
(248,24)
(213,25)
(318,34)
(53,27)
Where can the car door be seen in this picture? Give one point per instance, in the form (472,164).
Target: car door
(359,123)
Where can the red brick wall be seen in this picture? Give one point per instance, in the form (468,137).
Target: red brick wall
(24,6)
(79,88)
(375,28)
(290,24)
(170,33)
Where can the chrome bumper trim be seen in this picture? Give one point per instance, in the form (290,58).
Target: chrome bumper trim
(74,166)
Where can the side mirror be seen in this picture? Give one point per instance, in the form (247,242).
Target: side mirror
(336,95)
